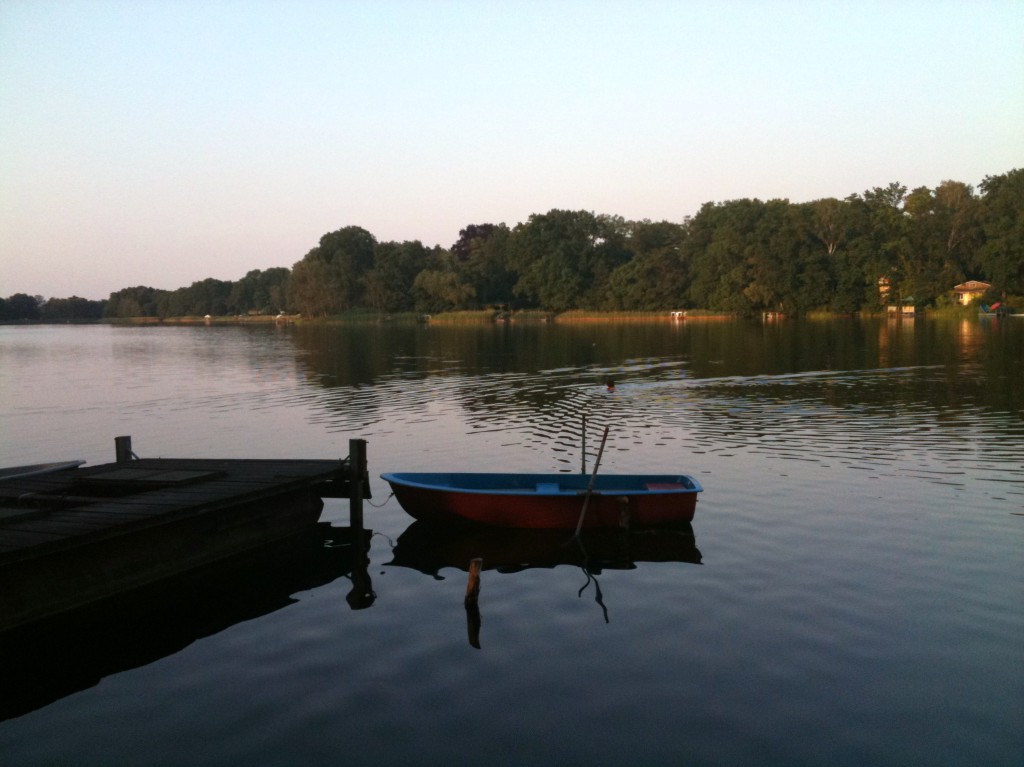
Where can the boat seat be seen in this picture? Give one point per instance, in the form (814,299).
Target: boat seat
(548,488)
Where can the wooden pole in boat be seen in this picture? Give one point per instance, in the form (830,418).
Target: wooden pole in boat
(583,446)
(356,478)
(590,486)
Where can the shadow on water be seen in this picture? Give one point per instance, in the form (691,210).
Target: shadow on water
(51,659)
(430,549)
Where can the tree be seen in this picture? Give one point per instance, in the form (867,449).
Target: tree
(262,292)
(565,258)
(73,308)
(1001,257)
(140,301)
(880,244)
(943,232)
(21,306)
(656,276)
(716,245)
(309,288)
(828,220)
(482,259)
(435,290)
(349,253)
(389,284)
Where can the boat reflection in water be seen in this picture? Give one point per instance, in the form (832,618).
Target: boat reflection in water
(48,660)
(431,548)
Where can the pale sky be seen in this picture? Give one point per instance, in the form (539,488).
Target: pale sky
(161,142)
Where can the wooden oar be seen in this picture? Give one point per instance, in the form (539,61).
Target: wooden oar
(590,486)
(583,451)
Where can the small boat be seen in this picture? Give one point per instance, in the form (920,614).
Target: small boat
(996,310)
(546,500)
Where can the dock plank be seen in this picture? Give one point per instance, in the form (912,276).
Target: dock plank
(76,536)
(75,506)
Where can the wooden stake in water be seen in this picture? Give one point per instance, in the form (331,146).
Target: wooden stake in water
(473,585)
(472,607)
(590,486)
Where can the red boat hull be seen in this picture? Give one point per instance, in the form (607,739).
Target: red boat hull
(443,506)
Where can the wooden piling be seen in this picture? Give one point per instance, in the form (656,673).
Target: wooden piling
(471,602)
(123,449)
(473,585)
(357,476)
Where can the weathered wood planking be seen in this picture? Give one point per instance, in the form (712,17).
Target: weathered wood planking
(32,512)
(78,535)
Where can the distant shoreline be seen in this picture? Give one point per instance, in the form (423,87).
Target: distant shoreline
(527,316)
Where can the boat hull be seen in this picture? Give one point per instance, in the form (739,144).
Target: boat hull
(546,500)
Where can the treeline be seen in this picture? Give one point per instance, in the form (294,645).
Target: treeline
(743,256)
(259,292)
(23,307)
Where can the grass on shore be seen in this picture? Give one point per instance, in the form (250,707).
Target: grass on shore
(483,316)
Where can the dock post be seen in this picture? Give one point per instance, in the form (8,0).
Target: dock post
(361,596)
(123,449)
(356,477)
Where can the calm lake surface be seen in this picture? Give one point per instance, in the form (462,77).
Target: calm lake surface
(852,594)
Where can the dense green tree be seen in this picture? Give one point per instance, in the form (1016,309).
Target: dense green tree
(73,308)
(309,288)
(880,243)
(482,260)
(389,284)
(716,246)
(333,276)
(656,275)
(140,301)
(349,254)
(209,296)
(260,292)
(21,306)
(1000,258)
(548,253)
(828,221)
(436,290)
(944,235)
(565,258)
(779,277)
(834,264)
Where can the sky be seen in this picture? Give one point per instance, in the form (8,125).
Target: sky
(162,142)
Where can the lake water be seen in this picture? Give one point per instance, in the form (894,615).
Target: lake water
(852,593)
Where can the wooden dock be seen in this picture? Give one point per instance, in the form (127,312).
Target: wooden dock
(76,536)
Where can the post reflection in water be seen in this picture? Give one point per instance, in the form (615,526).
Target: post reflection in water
(430,549)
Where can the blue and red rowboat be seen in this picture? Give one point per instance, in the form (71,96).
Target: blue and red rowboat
(546,500)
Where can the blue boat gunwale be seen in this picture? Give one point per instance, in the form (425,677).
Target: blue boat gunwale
(497,483)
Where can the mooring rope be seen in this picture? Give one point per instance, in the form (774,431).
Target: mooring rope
(381,504)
